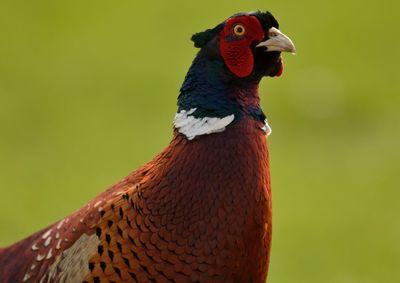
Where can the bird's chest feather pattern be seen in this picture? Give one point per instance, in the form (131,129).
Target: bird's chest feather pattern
(197,212)
(200,210)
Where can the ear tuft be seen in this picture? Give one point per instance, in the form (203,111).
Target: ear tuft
(266,19)
(200,39)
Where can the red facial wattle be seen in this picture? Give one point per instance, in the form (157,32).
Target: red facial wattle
(238,58)
(236,50)
(280,70)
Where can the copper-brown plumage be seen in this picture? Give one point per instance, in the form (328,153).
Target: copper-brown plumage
(200,211)
(158,225)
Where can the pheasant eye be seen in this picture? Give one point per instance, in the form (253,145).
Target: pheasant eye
(239,30)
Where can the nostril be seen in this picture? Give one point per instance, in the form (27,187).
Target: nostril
(272,32)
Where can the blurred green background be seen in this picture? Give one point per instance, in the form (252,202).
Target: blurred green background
(88,92)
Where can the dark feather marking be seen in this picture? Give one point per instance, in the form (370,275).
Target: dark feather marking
(133,275)
(98,232)
(126,261)
(103,265)
(111,255)
(135,254)
(119,230)
(128,221)
(110,223)
(118,271)
(91,266)
(119,247)
(100,250)
(145,268)
(108,238)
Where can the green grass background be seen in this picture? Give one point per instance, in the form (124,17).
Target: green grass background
(88,92)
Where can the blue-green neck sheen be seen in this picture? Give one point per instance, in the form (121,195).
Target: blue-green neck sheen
(210,89)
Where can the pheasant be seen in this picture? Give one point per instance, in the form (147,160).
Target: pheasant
(200,211)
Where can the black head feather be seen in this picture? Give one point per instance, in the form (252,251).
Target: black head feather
(200,39)
(266,19)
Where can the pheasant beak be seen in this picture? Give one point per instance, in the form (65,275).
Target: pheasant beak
(278,42)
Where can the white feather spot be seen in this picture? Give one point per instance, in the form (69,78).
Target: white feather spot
(49,254)
(40,257)
(33,266)
(47,242)
(192,127)
(97,203)
(60,224)
(35,247)
(26,277)
(58,246)
(266,128)
(57,235)
(45,235)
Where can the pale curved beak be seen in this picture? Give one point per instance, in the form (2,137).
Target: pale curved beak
(278,42)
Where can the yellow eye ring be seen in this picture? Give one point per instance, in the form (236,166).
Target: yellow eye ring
(239,30)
